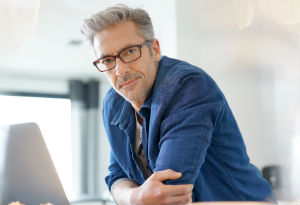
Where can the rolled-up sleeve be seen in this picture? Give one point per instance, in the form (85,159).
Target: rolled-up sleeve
(115,172)
(187,129)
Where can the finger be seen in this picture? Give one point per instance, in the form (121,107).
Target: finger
(165,175)
(185,199)
(190,201)
(177,190)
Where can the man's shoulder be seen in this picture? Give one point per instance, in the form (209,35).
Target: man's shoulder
(173,71)
(177,77)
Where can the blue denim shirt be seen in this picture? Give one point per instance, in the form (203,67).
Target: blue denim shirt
(188,127)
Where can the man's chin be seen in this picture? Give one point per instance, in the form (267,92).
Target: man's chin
(132,98)
(127,96)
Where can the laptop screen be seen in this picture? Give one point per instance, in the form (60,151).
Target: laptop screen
(27,173)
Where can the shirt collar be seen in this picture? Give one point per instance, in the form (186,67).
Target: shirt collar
(122,115)
(146,106)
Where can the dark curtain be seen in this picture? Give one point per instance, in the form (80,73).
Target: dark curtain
(85,128)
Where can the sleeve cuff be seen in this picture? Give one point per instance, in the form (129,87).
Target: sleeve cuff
(113,186)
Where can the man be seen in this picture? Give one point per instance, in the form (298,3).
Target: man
(173,137)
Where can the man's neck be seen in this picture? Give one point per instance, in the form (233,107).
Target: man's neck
(137,105)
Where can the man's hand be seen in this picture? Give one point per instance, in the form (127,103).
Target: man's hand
(154,191)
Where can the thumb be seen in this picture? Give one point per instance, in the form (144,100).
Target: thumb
(166,174)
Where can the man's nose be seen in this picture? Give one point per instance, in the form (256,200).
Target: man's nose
(121,68)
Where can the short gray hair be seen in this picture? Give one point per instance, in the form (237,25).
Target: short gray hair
(114,15)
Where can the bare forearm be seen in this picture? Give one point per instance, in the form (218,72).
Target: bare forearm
(153,190)
(121,192)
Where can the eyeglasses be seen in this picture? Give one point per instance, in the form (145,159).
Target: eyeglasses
(126,55)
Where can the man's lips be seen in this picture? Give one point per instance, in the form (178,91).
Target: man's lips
(128,83)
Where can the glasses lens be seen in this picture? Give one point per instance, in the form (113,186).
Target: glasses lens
(106,63)
(130,54)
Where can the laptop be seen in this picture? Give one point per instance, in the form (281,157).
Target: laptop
(27,173)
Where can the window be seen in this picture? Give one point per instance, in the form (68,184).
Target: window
(53,115)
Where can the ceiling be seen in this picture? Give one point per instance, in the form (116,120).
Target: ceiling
(49,43)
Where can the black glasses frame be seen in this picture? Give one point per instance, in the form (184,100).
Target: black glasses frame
(118,56)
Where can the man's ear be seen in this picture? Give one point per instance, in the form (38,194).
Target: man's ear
(156,49)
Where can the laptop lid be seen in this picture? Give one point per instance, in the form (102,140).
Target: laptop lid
(27,173)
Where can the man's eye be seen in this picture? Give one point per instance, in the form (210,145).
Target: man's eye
(130,51)
(107,61)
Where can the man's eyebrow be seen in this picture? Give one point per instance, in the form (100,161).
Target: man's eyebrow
(122,49)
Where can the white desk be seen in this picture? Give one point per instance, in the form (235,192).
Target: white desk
(213,203)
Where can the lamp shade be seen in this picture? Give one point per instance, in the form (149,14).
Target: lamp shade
(18,19)
(284,13)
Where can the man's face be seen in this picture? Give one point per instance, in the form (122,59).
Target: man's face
(131,80)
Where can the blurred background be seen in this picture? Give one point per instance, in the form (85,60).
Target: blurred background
(250,47)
